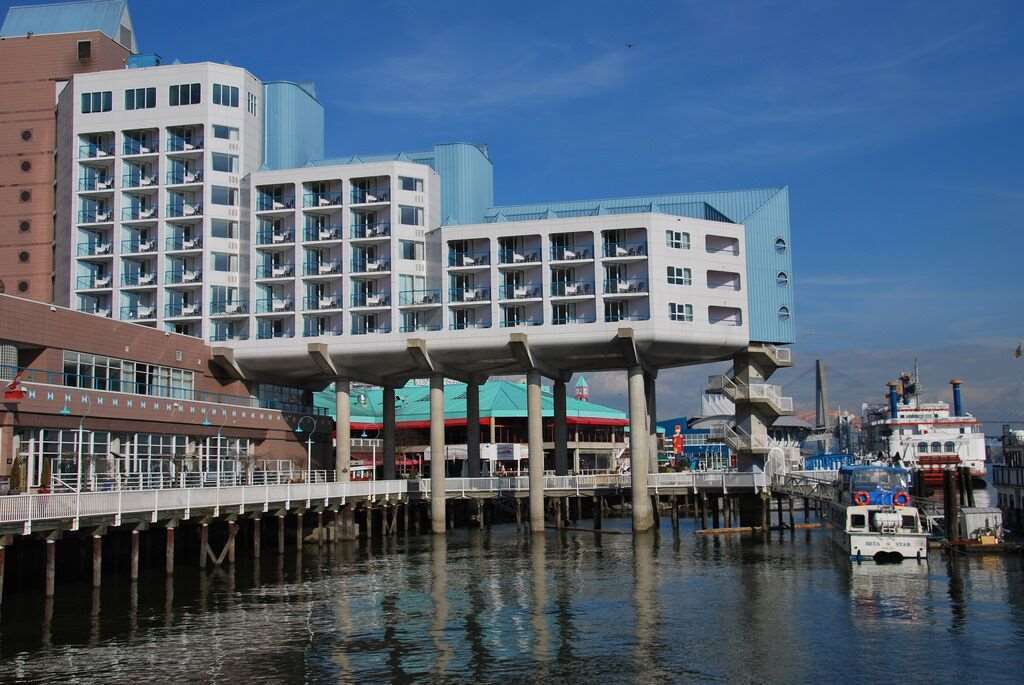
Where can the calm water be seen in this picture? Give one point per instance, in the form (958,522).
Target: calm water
(502,606)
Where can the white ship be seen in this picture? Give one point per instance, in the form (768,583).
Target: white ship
(925,435)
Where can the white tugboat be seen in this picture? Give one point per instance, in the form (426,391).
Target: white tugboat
(871,516)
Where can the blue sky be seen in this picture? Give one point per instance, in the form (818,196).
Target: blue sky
(896,126)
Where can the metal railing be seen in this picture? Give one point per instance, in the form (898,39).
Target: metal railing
(572,289)
(409,298)
(183,176)
(380,229)
(95,184)
(316,233)
(380,264)
(134,146)
(98,215)
(183,276)
(479,294)
(178,243)
(370,195)
(366,299)
(625,248)
(268,236)
(625,286)
(322,302)
(463,259)
(269,203)
(271,271)
(268,305)
(182,210)
(328,267)
(321,199)
(183,144)
(513,256)
(93,150)
(569,254)
(523,291)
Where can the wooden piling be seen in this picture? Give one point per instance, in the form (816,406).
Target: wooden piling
(97,560)
(51,566)
(169,552)
(232,532)
(598,512)
(204,543)
(257,524)
(280,533)
(135,556)
(791,522)
(320,528)
(714,512)
(674,515)
(703,503)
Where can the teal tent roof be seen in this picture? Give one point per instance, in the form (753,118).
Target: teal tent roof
(499,399)
(69,17)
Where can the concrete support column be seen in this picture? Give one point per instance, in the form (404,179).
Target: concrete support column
(437,463)
(169,558)
(97,560)
(639,457)
(473,428)
(280,533)
(257,524)
(135,556)
(204,543)
(561,430)
(652,421)
(232,532)
(51,566)
(343,430)
(535,438)
(388,472)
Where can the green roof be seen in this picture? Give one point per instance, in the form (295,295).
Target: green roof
(499,399)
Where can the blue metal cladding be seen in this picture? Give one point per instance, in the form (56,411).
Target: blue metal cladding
(293,125)
(765,214)
(68,17)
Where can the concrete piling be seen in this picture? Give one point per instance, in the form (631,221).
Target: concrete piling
(280,533)
(97,559)
(169,552)
(256,531)
(134,564)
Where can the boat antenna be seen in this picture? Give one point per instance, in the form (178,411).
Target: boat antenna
(917,385)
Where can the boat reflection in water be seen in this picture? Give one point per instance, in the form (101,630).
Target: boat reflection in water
(888,592)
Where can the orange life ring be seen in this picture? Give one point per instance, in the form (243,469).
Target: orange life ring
(901,499)
(861,497)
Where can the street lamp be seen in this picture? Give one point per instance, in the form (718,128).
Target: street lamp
(78,483)
(309,444)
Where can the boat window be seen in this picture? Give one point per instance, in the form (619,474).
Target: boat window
(910,522)
(936,447)
(856,520)
(922,447)
(950,447)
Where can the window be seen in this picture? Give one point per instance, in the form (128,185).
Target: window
(221,228)
(26,165)
(140,98)
(104,373)
(936,447)
(412,216)
(226,163)
(782,279)
(680,312)
(221,195)
(780,245)
(224,262)
(949,447)
(100,101)
(185,94)
(677,240)
(411,249)
(413,184)
(857,521)
(678,275)
(225,95)
(250,105)
(784,313)
(922,447)
(225,132)
(563,313)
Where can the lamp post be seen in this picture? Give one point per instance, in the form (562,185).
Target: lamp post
(309,444)
(78,483)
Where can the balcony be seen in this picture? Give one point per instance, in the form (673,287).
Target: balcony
(177,143)
(481,295)
(138,280)
(625,249)
(572,289)
(183,277)
(365,328)
(321,199)
(364,196)
(228,336)
(625,287)
(468,260)
(182,310)
(312,304)
(371,266)
(185,210)
(95,249)
(516,323)
(526,291)
(615,317)
(767,394)
(87,184)
(275,271)
(468,325)
(134,146)
(571,320)
(514,257)
(180,243)
(137,180)
(271,203)
(313,329)
(267,236)
(93,282)
(139,213)
(137,246)
(419,327)
(184,176)
(222,308)
(95,151)
(274,305)
(322,233)
(378,299)
(374,231)
(99,309)
(419,298)
(138,313)
(326,267)
(270,333)
(95,216)
(570,254)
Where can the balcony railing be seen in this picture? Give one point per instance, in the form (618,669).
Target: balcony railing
(419,327)
(411,298)
(568,254)
(515,323)
(468,325)
(367,196)
(322,199)
(513,256)
(138,213)
(137,179)
(183,144)
(269,203)
(145,146)
(379,299)
(138,280)
(138,313)
(380,229)
(315,233)
(183,276)
(312,304)
(481,294)
(229,308)
(379,265)
(312,329)
(272,271)
(137,245)
(93,281)
(273,305)
(525,291)
(571,320)
(182,309)
(612,317)
(184,209)
(269,333)
(97,308)
(572,289)
(95,216)
(360,328)
(93,183)
(94,150)
(624,248)
(460,259)
(178,243)
(625,286)
(327,267)
(95,249)
(266,236)
(227,336)
(182,176)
